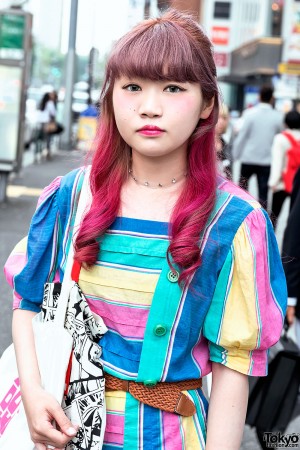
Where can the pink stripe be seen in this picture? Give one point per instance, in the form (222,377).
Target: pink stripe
(133,332)
(56,277)
(231,188)
(48,191)
(260,363)
(270,317)
(172,439)
(14,264)
(114,431)
(201,356)
(16,300)
(113,438)
(127,321)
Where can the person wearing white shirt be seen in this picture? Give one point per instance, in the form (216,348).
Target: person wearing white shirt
(48,126)
(252,145)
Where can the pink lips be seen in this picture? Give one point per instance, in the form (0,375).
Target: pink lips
(150,130)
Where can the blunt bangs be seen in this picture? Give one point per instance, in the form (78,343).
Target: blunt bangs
(161,51)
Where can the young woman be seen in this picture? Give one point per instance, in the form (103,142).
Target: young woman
(182,265)
(48,126)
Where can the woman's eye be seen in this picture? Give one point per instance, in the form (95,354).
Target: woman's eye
(132,87)
(174,89)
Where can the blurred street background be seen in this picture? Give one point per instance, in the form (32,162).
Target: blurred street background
(61,46)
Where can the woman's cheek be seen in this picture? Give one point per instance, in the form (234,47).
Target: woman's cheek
(189,107)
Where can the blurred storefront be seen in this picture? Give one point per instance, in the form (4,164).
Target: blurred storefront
(15,58)
(247,38)
(255,42)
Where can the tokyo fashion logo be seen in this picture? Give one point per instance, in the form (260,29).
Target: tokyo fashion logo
(279,440)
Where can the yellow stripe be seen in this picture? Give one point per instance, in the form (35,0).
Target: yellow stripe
(239,360)
(124,279)
(21,246)
(115,401)
(117,295)
(239,329)
(191,439)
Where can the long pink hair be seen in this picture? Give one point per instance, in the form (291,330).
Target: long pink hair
(172,47)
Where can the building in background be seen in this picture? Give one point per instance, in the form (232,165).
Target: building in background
(248,45)
(254,40)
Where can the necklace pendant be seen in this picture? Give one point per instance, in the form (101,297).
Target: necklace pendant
(156,186)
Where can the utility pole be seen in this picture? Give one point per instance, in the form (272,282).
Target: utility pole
(66,139)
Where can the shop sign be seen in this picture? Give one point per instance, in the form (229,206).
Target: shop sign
(220,35)
(293,47)
(289,68)
(12,30)
(221,59)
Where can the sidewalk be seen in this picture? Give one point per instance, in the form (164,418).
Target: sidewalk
(23,192)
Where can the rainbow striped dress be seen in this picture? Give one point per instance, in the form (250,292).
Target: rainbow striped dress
(230,313)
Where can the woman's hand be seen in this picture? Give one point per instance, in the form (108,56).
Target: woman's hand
(47,422)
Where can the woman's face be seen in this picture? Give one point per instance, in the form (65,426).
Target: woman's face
(157,118)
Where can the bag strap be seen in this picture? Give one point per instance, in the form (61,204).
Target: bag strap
(293,141)
(83,205)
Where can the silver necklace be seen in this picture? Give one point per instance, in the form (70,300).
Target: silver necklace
(158,185)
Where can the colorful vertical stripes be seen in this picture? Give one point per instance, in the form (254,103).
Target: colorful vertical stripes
(231,311)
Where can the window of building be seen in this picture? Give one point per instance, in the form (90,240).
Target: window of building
(222,10)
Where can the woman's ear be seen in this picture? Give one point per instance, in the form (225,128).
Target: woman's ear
(205,113)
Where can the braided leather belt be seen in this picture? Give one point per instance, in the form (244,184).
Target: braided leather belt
(163,395)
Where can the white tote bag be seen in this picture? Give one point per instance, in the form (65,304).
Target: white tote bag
(14,432)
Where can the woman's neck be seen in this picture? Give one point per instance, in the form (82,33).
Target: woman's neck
(138,200)
(159,172)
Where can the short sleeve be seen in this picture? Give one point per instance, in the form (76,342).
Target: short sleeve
(34,259)
(248,307)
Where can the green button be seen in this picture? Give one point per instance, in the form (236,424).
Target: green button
(173,276)
(160,330)
(150,383)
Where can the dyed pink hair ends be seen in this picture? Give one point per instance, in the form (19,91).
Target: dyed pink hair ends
(172,47)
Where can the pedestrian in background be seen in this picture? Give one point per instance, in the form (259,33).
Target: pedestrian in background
(252,145)
(291,258)
(178,266)
(48,125)
(224,142)
(281,155)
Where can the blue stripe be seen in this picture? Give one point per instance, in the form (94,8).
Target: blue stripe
(151,428)
(140,226)
(277,276)
(201,291)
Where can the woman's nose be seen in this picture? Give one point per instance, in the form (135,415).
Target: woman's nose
(150,105)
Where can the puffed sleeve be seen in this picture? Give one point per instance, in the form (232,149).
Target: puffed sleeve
(34,259)
(247,311)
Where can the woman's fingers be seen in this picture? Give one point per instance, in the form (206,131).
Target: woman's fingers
(64,424)
(47,434)
(47,421)
(40,446)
